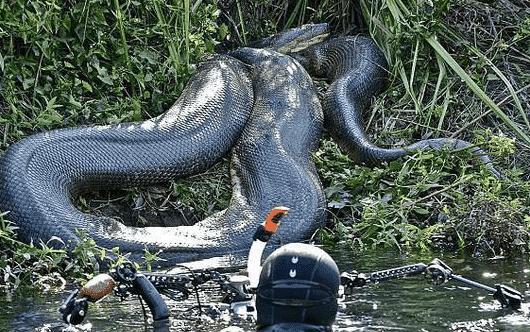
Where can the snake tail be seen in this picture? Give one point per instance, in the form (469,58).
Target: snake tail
(357,71)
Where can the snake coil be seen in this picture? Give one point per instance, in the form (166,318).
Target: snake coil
(258,103)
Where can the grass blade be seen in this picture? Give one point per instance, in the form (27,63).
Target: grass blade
(476,89)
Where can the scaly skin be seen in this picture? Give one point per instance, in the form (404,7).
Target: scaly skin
(295,39)
(268,113)
(40,175)
(275,128)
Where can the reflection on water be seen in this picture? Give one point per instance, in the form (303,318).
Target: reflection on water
(411,304)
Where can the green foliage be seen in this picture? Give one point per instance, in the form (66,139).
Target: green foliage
(497,145)
(424,201)
(206,193)
(103,61)
(28,264)
(253,19)
(45,267)
(149,259)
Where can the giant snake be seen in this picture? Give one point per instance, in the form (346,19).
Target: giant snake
(260,104)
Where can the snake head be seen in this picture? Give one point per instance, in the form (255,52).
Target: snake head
(296,39)
(251,56)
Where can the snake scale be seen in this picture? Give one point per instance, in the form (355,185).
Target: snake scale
(259,104)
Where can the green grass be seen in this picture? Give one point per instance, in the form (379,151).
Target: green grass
(458,69)
(454,96)
(411,18)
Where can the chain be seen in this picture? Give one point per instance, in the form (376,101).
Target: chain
(402,271)
(168,281)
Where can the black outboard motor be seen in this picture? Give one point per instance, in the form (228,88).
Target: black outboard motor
(297,290)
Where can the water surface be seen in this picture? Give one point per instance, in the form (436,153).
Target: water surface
(410,304)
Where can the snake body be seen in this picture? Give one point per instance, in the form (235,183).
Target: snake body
(272,128)
(40,175)
(258,102)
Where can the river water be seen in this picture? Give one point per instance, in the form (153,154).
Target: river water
(411,304)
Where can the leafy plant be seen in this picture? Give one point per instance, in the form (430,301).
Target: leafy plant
(424,201)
